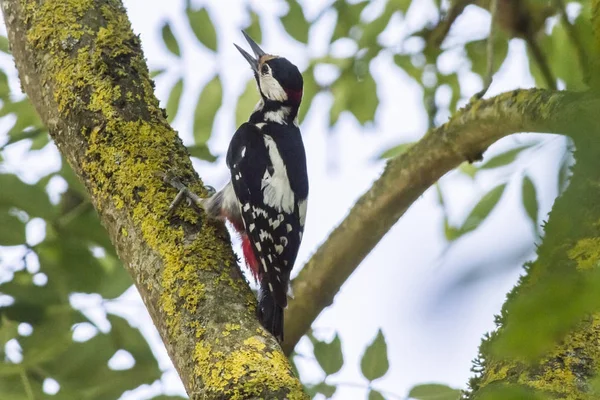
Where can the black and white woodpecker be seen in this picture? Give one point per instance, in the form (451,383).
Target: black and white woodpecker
(266,198)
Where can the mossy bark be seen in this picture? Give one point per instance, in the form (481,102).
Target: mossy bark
(85,73)
(569,251)
(567,259)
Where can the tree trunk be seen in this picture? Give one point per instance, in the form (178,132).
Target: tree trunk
(85,73)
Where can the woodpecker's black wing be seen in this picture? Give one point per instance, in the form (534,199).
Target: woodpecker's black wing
(268,173)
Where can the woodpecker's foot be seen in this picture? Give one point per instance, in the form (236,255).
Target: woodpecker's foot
(184,193)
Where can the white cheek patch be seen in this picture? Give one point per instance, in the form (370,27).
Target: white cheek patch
(272,89)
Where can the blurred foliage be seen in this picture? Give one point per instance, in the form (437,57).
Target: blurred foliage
(38,322)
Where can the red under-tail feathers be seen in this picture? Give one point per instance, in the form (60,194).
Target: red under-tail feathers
(247,251)
(251,260)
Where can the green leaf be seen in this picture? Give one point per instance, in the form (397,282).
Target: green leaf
(504,159)
(295,23)
(12,229)
(482,210)
(434,391)
(358,96)
(374,363)
(156,72)
(8,331)
(396,150)
(323,388)
(500,391)
(174,99)
(246,103)
(530,200)
(4,87)
(34,298)
(311,89)
(27,117)
(477,53)
(253,29)
(62,260)
(405,62)
(453,83)
(202,152)
(329,355)
(375,395)
(4,45)
(529,331)
(451,232)
(209,101)
(115,278)
(348,17)
(40,140)
(468,169)
(169,40)
(202,27)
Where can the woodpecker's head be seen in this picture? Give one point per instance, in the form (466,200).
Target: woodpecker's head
(278,79)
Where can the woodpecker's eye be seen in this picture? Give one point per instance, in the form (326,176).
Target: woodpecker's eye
(264,69)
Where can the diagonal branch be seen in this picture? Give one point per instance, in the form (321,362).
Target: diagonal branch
(465,137)
(84,70)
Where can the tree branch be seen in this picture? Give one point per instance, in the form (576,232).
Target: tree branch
(84,71)
(465,137)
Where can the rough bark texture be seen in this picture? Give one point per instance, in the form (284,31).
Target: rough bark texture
(84,71)
(465,137)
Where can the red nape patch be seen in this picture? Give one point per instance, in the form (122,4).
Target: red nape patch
(294,95)
(249,257)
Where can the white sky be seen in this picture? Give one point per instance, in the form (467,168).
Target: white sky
(408,285)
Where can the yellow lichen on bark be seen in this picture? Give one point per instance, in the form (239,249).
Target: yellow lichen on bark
(564,372)
(222,371)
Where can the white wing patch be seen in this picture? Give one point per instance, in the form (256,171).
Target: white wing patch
(302,211)
(277,191)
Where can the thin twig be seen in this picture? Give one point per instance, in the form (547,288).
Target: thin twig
(489,73)
(26,384)
(541,61)
(439,33)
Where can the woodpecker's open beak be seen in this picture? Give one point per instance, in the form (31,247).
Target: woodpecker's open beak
(258,52)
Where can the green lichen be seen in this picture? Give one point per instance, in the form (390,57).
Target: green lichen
(97,73)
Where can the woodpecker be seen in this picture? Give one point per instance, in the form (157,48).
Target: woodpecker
(266,198)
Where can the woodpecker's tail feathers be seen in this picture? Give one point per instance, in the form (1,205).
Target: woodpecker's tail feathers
(270,314)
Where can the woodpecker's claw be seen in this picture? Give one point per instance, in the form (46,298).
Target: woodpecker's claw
(210,190)
(184,193)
